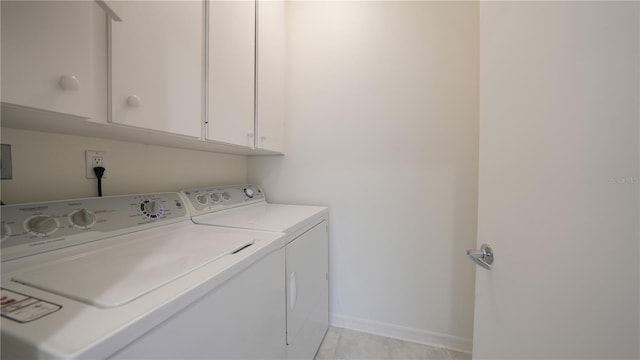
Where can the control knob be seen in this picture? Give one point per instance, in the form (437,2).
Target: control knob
(83,218)
(214,197)
(6,231)
(249,193)
(202,199)
(42,224)
(151,209)
(226,196)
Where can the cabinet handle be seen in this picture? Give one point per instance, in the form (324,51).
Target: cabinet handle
(69,82)
(293,291)
(134,101)
(262,139)
(250,139)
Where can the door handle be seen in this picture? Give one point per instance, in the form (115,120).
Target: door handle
(482,257)
(293,290)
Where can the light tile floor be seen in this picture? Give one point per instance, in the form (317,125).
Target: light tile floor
(345,344)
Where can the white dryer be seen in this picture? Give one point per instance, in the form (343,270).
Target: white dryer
(127,277)
(306,228)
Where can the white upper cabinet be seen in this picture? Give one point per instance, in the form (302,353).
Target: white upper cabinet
(271,40)
(231,72)
(49,55)
(157,66)
(157,76)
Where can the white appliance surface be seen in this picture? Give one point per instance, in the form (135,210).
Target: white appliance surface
(265,216)
(245,207)
(116,275)
(100,296)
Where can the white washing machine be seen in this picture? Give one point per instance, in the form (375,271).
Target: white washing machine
(127,277)
(306,228)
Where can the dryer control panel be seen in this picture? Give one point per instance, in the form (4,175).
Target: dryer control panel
(206,200)
(29,229)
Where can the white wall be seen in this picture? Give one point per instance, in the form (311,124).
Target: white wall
(51,166)
(382,127)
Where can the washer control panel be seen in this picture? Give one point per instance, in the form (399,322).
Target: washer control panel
(29,229)
(210,199)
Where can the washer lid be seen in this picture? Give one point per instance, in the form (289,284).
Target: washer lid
(113,276)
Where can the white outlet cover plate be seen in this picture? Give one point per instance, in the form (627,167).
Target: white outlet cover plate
(89,155)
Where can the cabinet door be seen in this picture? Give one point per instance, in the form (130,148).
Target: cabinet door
(270,104)
(157,66)
(47,60)
(307,292)
(231,72)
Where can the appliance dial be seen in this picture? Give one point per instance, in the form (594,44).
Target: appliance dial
(249,193)
(41,224)
(151,209)
(202,199)
(82,218)
(214,197)
(6,231)
(226,196)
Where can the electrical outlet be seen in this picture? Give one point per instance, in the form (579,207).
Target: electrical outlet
(92,159)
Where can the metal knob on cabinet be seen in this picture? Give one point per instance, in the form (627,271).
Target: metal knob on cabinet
(69,82)
(134,101)
(482,257)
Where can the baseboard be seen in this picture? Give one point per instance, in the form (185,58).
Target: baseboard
(402,333)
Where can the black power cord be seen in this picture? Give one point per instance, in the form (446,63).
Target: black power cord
(99,170)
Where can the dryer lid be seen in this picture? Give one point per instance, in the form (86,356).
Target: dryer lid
(264,216)
(114,276)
